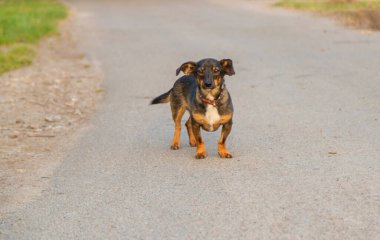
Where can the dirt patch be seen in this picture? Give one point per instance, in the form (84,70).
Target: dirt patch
(359,14)
(364,19)
(42,107)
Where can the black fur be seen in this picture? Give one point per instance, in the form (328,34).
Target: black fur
(163,98)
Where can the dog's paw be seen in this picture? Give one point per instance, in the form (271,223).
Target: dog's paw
(192,144)
(200,155)
(174,147)
(225,155)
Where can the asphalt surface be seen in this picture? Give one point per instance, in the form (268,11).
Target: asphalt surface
(305,140)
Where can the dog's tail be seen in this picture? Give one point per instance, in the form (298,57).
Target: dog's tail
(163,98)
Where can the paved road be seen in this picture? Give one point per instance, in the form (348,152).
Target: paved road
(303,87)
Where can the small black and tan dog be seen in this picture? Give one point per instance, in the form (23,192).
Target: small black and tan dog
(203,93)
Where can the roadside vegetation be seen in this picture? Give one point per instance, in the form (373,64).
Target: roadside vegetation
(22,24)
(358,13)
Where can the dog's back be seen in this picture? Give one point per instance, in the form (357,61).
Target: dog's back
(182,92)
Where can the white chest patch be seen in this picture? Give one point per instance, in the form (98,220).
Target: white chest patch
(212,116)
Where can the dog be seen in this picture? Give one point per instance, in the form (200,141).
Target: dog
(203,93)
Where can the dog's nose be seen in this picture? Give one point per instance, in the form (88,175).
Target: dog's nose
(208,84)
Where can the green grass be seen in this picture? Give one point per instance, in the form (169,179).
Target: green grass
(16,57)
(330,5)
(22,23)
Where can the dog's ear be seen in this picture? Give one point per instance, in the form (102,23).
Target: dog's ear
(187,68)
(227,67)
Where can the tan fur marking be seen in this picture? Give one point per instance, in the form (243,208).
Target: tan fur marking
(201,150)
(177,129)
(222,149)
(201,119)
(188,69)
(223,152)
(225,118)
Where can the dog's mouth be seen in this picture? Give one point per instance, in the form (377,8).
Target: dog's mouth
(209,89)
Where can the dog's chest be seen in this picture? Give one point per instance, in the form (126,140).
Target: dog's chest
(212,116)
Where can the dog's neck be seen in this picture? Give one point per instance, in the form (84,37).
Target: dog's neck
(210,98)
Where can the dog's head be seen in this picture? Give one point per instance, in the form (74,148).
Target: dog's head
(209,73)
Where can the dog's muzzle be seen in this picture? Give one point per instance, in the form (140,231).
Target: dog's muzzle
(208,85)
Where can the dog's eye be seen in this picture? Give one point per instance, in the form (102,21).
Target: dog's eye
(201,70)
(216,70)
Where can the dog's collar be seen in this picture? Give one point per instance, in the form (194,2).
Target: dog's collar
(211,102)
(215,101)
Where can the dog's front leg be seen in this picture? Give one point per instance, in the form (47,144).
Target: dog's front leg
(222,150)
(201,150)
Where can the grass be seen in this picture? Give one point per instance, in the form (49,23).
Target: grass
(22,24)
(330,5)
(364,14)
(16,57)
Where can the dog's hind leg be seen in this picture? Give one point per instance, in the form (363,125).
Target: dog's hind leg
(192,141)
(177,113)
